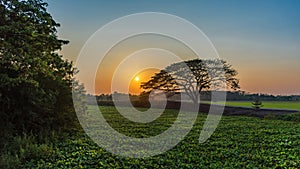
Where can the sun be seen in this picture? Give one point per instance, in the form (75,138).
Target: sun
(137,78)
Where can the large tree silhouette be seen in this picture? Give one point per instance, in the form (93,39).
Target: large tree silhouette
(35,81)
(192,77)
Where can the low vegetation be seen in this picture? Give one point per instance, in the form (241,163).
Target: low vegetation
(288,105)
(238,142)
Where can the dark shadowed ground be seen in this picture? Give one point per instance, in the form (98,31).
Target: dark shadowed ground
(204,108)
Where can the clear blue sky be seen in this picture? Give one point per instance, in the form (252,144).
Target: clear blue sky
(261,39)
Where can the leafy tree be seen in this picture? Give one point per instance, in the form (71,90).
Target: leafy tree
(192,77)
(35,81)
(257,104)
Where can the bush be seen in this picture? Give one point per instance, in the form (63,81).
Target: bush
(24,148)
(257,104)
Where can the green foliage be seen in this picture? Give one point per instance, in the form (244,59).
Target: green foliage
(257,104)
(23,148)
(295,117)
(288,105)
(238,142)
(35,81)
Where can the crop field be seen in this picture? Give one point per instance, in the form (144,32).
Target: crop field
(289,105)
(238,142)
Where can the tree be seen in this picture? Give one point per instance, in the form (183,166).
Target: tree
(192,77)
(35,81)
(257,104)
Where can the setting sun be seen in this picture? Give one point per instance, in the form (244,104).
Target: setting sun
(139,77)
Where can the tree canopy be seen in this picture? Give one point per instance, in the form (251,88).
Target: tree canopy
(35,81)
(192,77)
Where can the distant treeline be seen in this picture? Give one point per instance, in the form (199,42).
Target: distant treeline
(205,96)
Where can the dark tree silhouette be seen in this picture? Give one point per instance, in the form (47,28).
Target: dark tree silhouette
(35,81)
(192,77)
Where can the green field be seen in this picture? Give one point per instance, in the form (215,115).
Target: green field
(290,105)
(238,142)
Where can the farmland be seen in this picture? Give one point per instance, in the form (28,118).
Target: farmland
(238,142)
(289,105)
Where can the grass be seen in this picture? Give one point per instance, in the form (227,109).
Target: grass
(289,105)
(238,142)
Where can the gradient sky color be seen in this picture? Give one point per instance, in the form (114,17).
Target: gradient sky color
(261,39)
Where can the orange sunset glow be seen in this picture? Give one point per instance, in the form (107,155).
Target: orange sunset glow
(265,53)
(143,76)
(135,60)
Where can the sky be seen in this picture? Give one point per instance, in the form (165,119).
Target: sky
(260,39)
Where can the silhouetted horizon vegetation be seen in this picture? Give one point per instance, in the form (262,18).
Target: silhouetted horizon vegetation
(205,96)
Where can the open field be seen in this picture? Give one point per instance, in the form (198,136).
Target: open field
(238,142)
(289,105)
